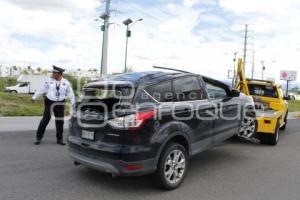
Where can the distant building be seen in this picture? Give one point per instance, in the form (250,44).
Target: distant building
(10,71)
(91,73)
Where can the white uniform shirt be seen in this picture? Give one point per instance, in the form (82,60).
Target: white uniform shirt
(56,90)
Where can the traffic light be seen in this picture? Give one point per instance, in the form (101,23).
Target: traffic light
(128,34)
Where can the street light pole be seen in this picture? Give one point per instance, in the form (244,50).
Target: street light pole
(126,48)
(127,23)
(264,67)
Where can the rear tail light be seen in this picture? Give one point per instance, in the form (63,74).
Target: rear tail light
(133,121)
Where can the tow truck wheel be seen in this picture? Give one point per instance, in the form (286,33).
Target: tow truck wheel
(285,122)
(271,139)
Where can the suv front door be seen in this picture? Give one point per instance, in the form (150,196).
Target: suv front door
(227,110)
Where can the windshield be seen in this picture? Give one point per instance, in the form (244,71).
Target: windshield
(263,90)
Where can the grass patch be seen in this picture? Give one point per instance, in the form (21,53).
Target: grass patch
(20,105)
(294,106)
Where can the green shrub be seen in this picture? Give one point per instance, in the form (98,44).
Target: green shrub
(5,82)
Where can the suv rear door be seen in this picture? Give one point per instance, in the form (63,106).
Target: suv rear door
(192,104)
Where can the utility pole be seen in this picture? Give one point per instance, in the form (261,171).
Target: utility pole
(245,45)
(234,69)
(105,17)
(253,64)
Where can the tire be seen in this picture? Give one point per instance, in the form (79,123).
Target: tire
(248,127)
(168,165)
(271,139)
(13,92)
(285,122)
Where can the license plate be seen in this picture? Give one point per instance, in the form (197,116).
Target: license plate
(89,135)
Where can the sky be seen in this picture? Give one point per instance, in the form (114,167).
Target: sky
(199,36)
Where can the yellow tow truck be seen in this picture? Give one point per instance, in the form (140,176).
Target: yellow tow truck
(271,107)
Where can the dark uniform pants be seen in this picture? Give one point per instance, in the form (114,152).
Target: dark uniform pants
(50,106)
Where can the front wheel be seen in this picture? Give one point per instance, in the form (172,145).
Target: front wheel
(248,127)
(172,166)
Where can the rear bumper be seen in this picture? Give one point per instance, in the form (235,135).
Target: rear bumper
(267,121)
(86,157)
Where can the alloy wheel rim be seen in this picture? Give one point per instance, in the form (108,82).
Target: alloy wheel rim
(248,127)
(175,166)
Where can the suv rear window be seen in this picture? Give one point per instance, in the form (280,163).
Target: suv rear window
(102,100)
(263,90)
(188,89)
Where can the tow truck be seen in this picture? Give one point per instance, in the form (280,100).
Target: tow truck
(271,108)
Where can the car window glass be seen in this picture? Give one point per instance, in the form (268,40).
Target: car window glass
(161,92)
(215,92)
(23,84)
(188,89)
(263,90)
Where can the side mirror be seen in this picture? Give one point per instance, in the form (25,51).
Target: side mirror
(235,93)
(287,98)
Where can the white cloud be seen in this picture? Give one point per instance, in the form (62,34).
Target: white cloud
(167,36)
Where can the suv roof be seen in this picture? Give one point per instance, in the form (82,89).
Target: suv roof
(137,78)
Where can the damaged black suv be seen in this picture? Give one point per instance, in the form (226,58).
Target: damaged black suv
(152,122)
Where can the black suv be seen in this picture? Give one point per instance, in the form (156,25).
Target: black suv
(152,122)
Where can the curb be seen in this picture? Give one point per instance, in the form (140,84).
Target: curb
(294,115)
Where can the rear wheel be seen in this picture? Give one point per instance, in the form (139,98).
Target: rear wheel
(172,166)
(271,139)
(285,122)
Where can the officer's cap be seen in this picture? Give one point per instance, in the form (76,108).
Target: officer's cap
(57,69)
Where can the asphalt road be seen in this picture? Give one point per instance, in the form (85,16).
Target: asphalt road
(234,171)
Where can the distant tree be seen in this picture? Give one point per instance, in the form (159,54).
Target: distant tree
(45,72)
(25,72)
(39,69)
(129,69)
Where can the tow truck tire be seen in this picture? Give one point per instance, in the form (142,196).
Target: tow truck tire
(285,122)
(271,139)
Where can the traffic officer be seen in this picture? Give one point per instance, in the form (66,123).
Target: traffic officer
(56,89)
